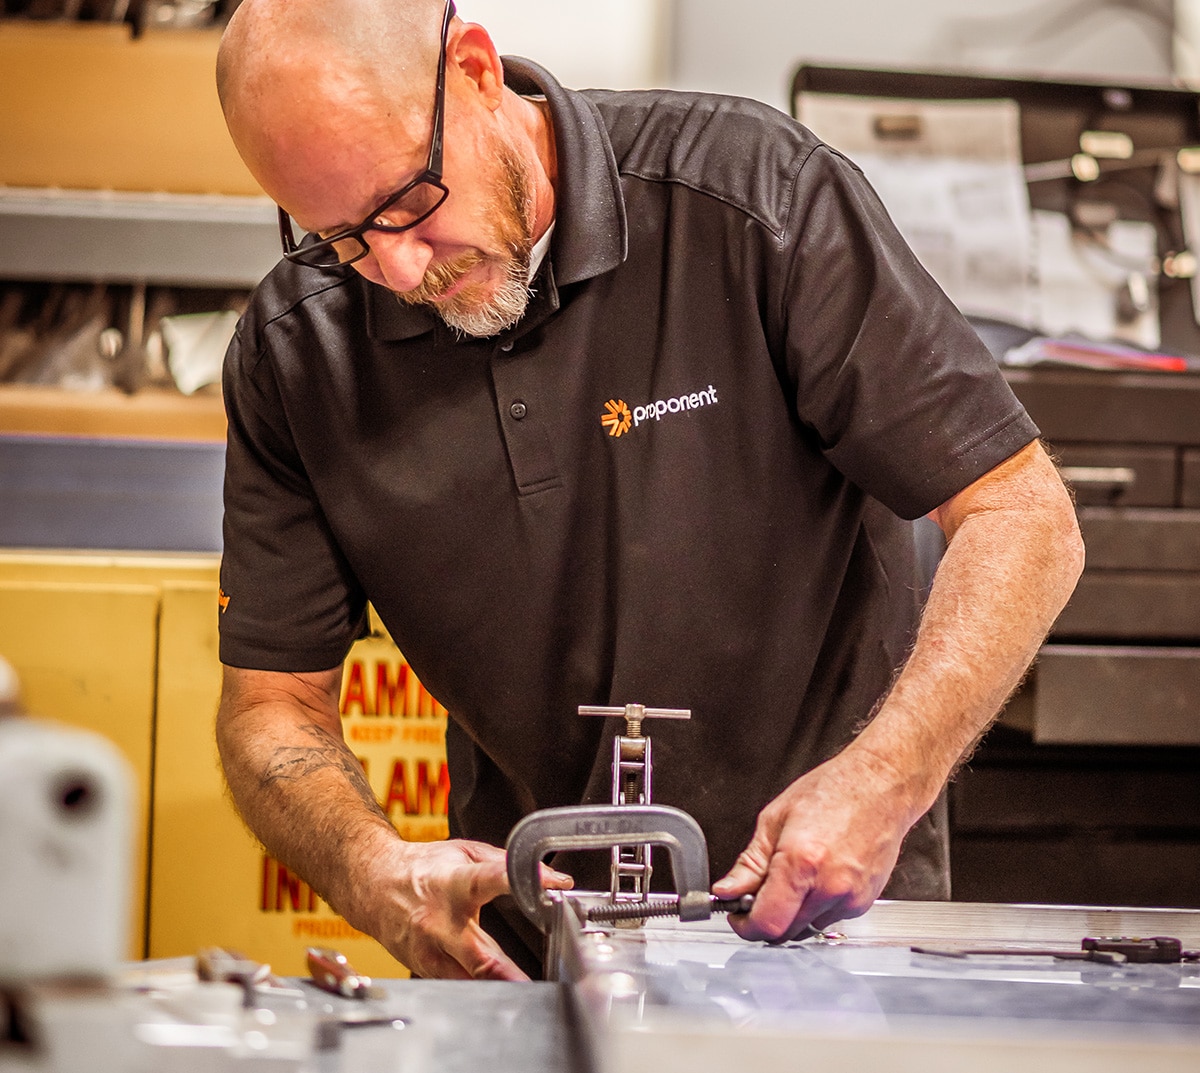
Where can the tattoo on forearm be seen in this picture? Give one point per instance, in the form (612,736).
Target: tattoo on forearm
(292,763)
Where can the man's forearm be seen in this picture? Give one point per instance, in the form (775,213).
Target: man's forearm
(1013,558)
(300,790)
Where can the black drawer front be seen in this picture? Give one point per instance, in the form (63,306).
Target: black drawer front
(1120,475)
(1089,797)
(1141,539)
(1133,606)
(1111,695)
(1099,407)
(1189,481)
(1065,868)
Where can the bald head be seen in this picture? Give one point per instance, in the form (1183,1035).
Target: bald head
(317,62)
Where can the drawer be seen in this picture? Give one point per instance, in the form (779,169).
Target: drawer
(1066,868)
(1037,796)
(1141,539)
(1189,479)
(1133,606)
(1102,407)
(1119,474)
(1111,695)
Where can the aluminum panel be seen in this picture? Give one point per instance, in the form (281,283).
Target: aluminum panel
(694,997)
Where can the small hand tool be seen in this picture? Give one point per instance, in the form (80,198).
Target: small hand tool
(215,964)
(1109,950)
(331,971)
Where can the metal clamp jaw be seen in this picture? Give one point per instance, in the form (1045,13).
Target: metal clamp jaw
(603,827)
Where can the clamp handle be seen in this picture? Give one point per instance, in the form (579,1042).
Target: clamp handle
(634,714)
(602,827)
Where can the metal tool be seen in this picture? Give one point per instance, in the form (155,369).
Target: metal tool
(602,827)
(632,776)
(331,971)
(1115,950)
(666,906)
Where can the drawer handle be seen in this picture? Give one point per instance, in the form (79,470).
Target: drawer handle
(1114,476)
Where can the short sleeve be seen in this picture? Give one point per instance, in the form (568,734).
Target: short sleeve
(902,395)
(289,600)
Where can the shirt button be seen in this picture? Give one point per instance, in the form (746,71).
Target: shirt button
(518,410)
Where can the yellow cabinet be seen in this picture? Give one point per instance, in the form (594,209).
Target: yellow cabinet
(127,645)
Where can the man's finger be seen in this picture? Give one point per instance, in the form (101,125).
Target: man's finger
(747,873)
(779,904)
(482,959)
(489,878)
(552,879)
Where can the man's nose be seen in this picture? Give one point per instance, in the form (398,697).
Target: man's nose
(400,257)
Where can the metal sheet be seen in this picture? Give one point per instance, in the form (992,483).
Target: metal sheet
(696,998)
(75,492)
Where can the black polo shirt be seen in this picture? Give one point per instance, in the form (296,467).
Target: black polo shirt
(680,480)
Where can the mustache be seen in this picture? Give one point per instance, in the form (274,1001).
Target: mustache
(439,278)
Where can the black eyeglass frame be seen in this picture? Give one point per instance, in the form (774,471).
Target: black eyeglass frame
(432,176)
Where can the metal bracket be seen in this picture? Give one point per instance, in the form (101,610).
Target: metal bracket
(602,827)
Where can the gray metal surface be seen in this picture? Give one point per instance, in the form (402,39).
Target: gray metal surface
(696,998)
(463,1027)
(199,240)
(131,495)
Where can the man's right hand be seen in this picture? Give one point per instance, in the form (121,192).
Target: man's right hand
(306,797)
(427,915)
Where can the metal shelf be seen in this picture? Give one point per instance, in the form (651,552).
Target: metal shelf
(201,240)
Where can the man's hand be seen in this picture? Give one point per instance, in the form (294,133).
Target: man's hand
(306,796)
(821,852)
(428,917)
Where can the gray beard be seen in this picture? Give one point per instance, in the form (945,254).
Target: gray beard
(507,306)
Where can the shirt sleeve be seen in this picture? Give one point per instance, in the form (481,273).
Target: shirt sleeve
(903,396)
(290,602)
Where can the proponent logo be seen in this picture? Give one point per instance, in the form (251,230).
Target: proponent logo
(618,418)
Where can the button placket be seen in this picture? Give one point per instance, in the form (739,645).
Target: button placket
(530,454)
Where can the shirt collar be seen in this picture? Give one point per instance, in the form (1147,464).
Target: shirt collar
(590,235)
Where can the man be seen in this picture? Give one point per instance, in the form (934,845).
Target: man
(601,398)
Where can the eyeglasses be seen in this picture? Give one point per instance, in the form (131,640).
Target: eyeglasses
(407,207)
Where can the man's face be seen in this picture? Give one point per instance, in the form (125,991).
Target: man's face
(480,293)
(469,261)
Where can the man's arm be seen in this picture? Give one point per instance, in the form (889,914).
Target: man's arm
(823,850)
(305,795)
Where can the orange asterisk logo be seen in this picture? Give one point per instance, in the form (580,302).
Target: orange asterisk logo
(616,417)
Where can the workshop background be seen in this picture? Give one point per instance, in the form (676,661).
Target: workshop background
(131,235)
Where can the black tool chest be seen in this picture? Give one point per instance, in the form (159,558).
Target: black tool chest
(1088,792)
(1088,789)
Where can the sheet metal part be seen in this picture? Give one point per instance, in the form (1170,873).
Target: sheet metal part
(695,998)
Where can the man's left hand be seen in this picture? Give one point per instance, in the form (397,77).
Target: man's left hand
(822,850)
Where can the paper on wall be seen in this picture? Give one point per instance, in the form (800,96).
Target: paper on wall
(950,174)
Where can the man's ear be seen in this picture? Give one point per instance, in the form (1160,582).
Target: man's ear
(474,55)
